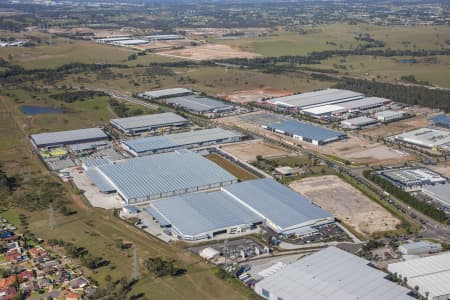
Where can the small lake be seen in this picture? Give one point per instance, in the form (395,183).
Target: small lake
(32,110)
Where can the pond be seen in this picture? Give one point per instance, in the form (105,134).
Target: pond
(32,110)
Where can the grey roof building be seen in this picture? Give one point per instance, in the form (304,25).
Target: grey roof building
(316,98)
(166,93)
(439,193)
(426,137)
(282,209)
(200,104)
(171,142)
(357,123)
(148,122)
(62,138)
(330,274)
(202,215)
(152,177)
(412,178)
(365,103)
(316,135)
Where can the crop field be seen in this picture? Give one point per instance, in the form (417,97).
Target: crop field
(347,203)
(248,151)
(232,168)
(341,36)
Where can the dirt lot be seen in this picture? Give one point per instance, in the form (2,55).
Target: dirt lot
(209,51)
(232,168)
(361,151)
(346,203)
(249,150)
(253,95)
(442,168)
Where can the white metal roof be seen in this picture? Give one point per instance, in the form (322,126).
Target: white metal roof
(331,274)
(154,120)
(365,102)
(427,137)
(439,192)
(173,92)
(431,274)
(325,109)
(389,113)
(69,136)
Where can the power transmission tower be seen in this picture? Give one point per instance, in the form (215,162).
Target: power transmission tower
(52,221)
(135,265)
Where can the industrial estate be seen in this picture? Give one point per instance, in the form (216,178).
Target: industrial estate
(279,150)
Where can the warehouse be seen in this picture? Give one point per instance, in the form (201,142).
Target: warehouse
(324,111)
(421,247)
(63,138)
(201,105)
(330,274)
(390,115)
(358,123)
(439,193)
(412,178)
(202,215)
(130,42)
(146,178)
(164,37)
(314,99)
(187,140)
(365,104)
(313,134)
(133,125)
(430,274)
(282,209)
(166,93)
(441,121)
(427,138)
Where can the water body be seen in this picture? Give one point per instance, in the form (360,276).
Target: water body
(32,110)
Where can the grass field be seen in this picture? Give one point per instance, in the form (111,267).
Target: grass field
(316,37)
(232,168)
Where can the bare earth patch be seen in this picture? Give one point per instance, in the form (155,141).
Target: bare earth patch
(253,95)
(346,203)
(249,150)
(209,51)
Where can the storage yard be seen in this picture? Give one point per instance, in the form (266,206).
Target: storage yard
(248,151)
(347,203)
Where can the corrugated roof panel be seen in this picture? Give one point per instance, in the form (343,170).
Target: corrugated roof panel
(68,136)
(310,99)
(198,104)
(166,93)
(154,120)
(100,181)
(275,202)
(306,130)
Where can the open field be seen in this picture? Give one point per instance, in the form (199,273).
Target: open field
(347,204)
(443,168)
(341,36)
(248,151)
(232,168)
(210,51)
(253,95)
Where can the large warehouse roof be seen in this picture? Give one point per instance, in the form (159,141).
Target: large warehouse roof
(67,137)
(439,192)
(306,130)
(184,139)
(198,104)
(330,274)
(365,103)
(426,137)
(200,213)
(431,274)
(163,175)
(156,94)
(306,100)
(279,205)
(155,120)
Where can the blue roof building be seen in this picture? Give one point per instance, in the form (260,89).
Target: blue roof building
(441,120)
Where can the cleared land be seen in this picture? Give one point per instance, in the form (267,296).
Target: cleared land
(248,151)
(210,51)
(253,95)
(347,204)
(231,167)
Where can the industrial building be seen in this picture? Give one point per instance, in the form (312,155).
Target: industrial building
(441,121)
(439,193)
(427,138)
(202,215)
(282,209)
(187,140)
(390,115)
(200,105)
(133,125)
(421,247)
(323,111)
(152,177)
(316,98)
(330,274)
(166,93)
(365,104)
(358,123)
(430,274)
(163,37)
(236,208)
(69,137)
(412,178)
(302,131)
